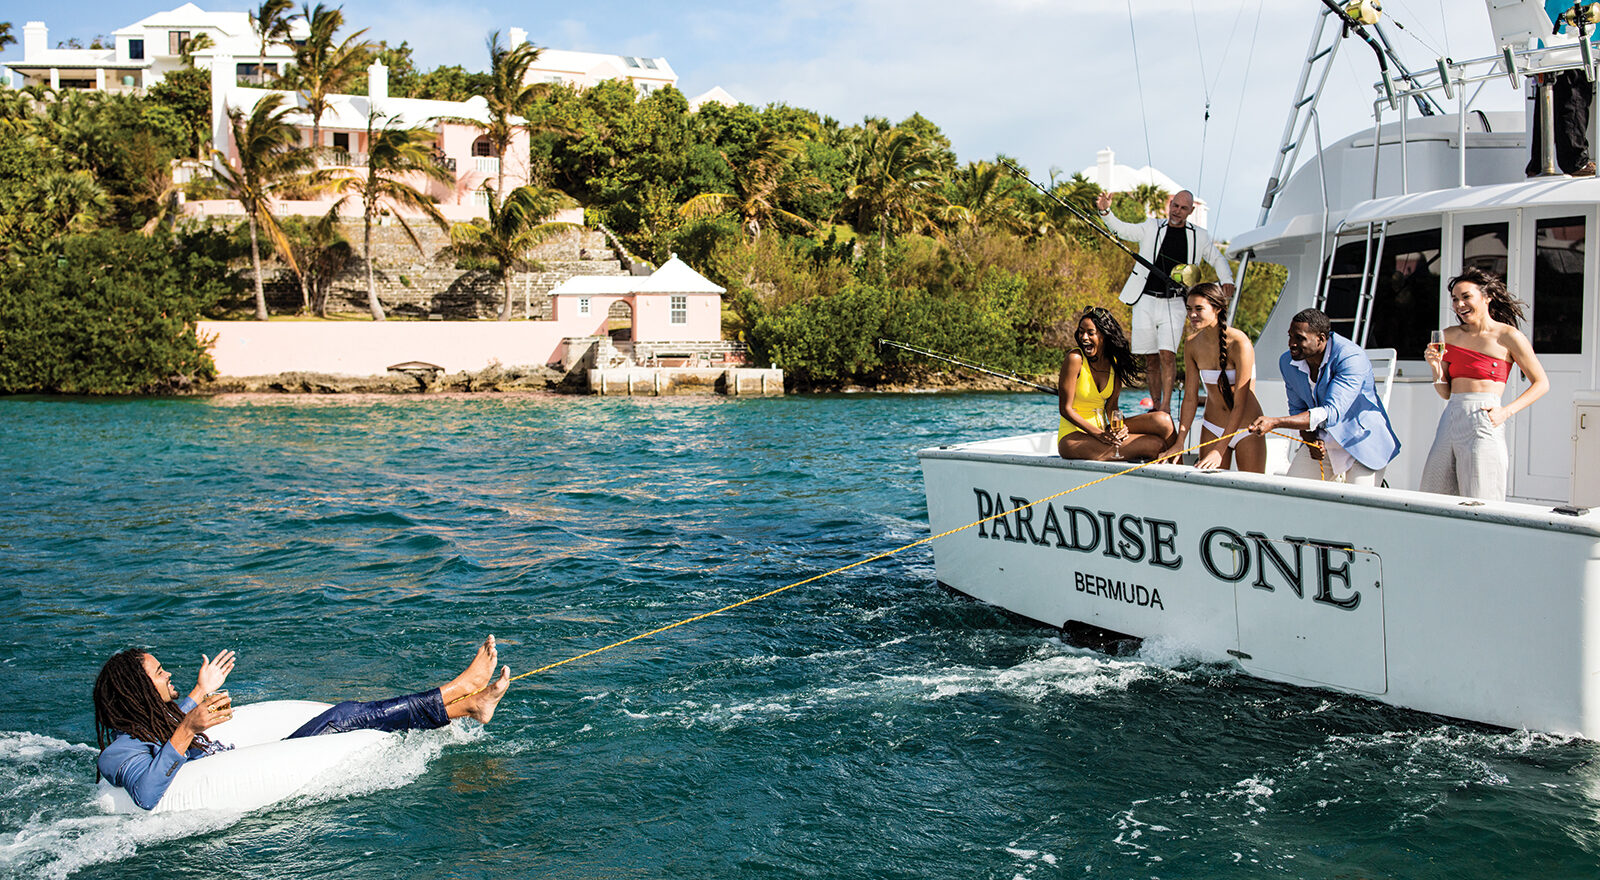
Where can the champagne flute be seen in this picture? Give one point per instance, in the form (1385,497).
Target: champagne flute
(1116,425)
(1436,342)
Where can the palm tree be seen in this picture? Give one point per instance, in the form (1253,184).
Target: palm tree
(322,68)
(508,96)
(321,253)
(192,45)
(269,156)
(5,35)
(1150,197)
(511,232)
(272,21)
(72,200)
(985,194)
(760,186)
(392,155)
(895,176)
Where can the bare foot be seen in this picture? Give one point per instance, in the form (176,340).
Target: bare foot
(481,705)
(477,675)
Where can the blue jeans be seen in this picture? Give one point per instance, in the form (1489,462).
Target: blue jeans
(423,711)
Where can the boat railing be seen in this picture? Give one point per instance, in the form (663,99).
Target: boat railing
(1453,79)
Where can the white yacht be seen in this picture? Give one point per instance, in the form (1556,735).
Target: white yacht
(1488,611)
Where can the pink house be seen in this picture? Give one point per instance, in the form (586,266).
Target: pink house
(673,314)
(460,145)
(673,317)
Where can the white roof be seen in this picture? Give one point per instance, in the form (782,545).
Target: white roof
(717,95)
(580,64)
(351,111)
(674,276)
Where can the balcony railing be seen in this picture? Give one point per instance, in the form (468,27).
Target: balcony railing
(487,164)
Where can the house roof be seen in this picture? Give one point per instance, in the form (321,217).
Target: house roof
(674,276)
(351,111)
(717,95)
(599,66)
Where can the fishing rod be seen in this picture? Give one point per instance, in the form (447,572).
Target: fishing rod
(1094,223)
(961,363)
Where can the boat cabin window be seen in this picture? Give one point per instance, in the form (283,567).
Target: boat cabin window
(1405,291)
(1485,246)
(1558,286)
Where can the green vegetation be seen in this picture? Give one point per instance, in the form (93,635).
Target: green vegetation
(108,312)
(827,236)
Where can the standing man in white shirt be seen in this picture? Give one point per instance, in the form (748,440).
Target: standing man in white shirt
(1158,306)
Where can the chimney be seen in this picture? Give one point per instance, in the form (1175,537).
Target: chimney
(518,36)
(35,39)
(1103,161)
(377,82)
(224,79)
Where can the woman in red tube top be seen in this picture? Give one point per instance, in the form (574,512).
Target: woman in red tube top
(1469,457)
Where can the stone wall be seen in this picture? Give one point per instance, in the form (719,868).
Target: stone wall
(424,283)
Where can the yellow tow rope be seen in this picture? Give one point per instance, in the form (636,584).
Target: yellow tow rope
(884,555)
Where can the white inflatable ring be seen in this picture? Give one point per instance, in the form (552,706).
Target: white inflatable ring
(263,767)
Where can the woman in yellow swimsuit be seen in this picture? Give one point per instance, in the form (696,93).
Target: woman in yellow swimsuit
(1091,380)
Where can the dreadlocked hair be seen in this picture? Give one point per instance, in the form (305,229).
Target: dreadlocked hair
(1212,293)
(1503,307)
(126,701)
(1115,345)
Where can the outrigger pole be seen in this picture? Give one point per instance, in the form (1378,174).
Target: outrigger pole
(1094,223)
(961,363)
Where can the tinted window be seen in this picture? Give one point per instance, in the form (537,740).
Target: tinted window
(1483,246)
(136,50)
(1558,286)
(1405,305)
(1405,291)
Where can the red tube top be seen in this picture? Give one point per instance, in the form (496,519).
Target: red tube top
(1464,363)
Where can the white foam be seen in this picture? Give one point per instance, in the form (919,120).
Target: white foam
(55,846)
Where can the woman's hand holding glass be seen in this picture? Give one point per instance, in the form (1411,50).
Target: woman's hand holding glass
(1434,355)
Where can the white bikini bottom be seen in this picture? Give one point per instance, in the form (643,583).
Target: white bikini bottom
(1217,430)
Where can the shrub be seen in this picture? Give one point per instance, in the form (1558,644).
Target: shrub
(106,313)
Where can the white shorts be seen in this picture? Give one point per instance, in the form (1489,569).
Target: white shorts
(1157,324)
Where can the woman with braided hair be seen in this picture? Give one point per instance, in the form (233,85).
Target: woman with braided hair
(146,733)
(1222,359)
(1091,381)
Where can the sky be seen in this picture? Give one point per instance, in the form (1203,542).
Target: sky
(1049,82)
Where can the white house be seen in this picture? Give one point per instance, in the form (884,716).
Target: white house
(585,69)
(145,51)
(1112,177)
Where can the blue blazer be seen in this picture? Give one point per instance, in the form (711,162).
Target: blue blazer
(1348,397)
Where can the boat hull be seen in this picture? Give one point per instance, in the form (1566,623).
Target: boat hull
(1481,611)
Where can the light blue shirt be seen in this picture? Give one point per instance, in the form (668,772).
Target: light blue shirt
(146,769)
(1342,402)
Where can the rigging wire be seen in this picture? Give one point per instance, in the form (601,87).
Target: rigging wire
(1205,85)
(1209,84)
(1138,77)
(1238,116)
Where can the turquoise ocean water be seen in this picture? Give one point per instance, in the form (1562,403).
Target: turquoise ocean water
(870,725)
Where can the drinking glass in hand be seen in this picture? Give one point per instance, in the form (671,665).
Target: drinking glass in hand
(1116,426)
(1436,342)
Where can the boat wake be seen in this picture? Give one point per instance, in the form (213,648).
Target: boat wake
(75,832)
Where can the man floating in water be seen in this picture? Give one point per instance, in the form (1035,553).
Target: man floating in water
(146,733)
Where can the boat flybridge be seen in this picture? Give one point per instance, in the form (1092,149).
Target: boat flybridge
(1487,611)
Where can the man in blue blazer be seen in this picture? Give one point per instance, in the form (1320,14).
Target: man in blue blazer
(1332,399)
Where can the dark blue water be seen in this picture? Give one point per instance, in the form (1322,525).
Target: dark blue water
(870,725)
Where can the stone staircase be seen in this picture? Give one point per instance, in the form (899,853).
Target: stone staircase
(426,284)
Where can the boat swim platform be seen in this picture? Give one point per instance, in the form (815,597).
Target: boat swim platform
(634,381)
